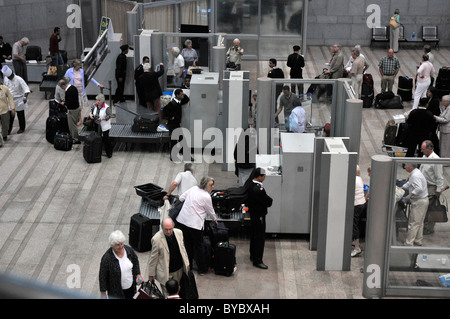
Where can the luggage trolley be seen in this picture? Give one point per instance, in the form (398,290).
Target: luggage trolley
(394,137)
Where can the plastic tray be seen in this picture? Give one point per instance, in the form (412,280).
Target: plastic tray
(147,189)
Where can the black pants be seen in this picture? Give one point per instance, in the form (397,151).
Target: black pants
(359,213)
(107,143)
(257,238)
(130,292)
(120,89)
(20,69)
(193,241)
(21,118)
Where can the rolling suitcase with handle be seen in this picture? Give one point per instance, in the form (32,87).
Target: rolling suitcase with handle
(224,258)
(92,149)
(405,86)
(142,230)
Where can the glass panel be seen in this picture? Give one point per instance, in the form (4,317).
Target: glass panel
(415,268)
(313,102)
(281,17)
(196,12)
(202,48)
(278,48)
(250,46)
(159,18)
(237,16)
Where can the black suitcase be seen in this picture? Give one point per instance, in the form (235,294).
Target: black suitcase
(367,91)
(56,124)
(390,133)
(443,79)
(188,286)
(92,148)
(405,86)
(142,230)
(224,258)
(55,108)
(147,122)
(63,142)
(218,233)
(393,103)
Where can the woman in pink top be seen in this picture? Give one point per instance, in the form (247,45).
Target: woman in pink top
(424,74)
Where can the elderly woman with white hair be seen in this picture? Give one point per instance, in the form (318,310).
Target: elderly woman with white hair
(101,114)
(444,127)
(189,54)
(119,269)
(191,219)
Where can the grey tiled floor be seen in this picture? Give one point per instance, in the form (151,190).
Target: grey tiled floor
(57,211)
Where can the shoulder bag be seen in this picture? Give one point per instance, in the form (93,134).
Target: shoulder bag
(437,210)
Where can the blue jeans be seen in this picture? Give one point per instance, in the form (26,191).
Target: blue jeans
(57,59)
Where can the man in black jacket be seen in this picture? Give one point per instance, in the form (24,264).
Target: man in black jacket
(296,62)
(172,113)
(137,73)
(276,73)
(421,124)
(121,72)
(149,84)
(258,202)
(73,110)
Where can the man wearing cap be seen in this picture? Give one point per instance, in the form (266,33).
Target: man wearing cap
(6,103)
(19,90)
(121,72)
(19,60)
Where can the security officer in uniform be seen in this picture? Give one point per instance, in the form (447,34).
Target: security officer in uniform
(120,73)
(258,202)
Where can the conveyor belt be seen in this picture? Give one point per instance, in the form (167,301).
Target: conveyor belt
(123,133)
(152,212)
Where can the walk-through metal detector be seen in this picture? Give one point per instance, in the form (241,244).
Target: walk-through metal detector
(333,197)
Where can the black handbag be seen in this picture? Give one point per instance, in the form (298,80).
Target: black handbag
(437,210)
(175,210)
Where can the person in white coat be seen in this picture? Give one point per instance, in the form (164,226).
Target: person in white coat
(101,114)
(168,258)
(19,90)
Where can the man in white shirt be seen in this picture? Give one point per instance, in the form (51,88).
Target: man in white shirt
(434,177)
(197,204)
(178,66)
(183,181)
(19,90)
(351,59)
(418,195)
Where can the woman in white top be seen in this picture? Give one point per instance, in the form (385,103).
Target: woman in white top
(359,210)
(101,114)
(119,269)
(424,73)
(197,204)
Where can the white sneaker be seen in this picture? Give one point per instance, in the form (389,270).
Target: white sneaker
(356,252)
(162,128)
